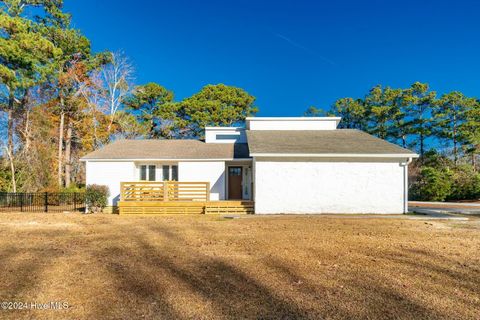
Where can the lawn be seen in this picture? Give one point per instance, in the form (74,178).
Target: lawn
(123,267)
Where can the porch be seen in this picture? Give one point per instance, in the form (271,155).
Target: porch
(174,197)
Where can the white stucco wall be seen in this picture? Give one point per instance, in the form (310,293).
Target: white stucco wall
(324,186)
(296,123)
(211,171)
(110,174)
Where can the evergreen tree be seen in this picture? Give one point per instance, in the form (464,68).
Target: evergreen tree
(147,102)
(420,102)
(214,105)
(26,59)
(450,115)
(353,113)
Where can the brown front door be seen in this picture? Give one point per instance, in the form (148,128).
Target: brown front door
(234,183)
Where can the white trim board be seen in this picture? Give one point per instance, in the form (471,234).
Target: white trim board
(334,155)
(293,118)
(155,159)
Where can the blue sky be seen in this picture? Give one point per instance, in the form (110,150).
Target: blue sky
(290,54)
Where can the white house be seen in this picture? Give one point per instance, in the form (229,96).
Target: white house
(283,165)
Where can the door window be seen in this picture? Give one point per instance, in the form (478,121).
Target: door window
(235,171)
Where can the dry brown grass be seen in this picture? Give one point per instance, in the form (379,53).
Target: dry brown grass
(121,267)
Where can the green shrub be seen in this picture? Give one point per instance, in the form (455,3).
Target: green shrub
(72,188)
(431,185)
(96,197)
(465,183)
(5,179)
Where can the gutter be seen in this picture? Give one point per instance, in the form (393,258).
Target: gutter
(159,159)
(338,155)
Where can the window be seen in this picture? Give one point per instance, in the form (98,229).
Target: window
(143,173)
(165,173)
(228,136)
(170,172)
(175,173)
(147,173)
(235,171)
(151,173)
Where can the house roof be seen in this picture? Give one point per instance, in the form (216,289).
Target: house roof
(340,142)
(155,149)
(274,143)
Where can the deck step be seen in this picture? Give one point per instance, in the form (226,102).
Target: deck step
(186,207)
(237,208)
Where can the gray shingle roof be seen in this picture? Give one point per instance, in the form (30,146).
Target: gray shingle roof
(340,141)
(310,142)
(169,149)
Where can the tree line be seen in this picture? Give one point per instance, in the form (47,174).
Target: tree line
(59,100)
(414,117)
(443,129)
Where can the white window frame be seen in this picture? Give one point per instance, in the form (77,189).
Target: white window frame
(170,171)
(147,171)
(158,170)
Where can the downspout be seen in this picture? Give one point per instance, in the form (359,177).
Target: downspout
(405,184)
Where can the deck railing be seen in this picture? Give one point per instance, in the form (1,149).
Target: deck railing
(164,191)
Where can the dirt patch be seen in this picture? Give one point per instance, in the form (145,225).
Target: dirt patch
(119,267)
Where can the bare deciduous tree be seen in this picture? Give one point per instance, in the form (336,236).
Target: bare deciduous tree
(108,86)
(115,80)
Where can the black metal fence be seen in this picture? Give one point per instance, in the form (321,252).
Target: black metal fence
(42,202)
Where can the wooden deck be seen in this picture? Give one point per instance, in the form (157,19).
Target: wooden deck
(172,197)
(186,207)
(171,191)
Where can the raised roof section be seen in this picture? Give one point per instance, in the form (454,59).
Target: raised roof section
(292,123)
(225,135)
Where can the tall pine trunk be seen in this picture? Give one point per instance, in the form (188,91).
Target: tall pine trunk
(26,135)
(422,145)
(455,149)
(68,155)
(152,128)
(11,101)
(60,146)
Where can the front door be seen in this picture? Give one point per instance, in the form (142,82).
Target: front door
(235,183)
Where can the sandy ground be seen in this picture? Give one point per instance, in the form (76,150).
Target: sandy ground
(202,267)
